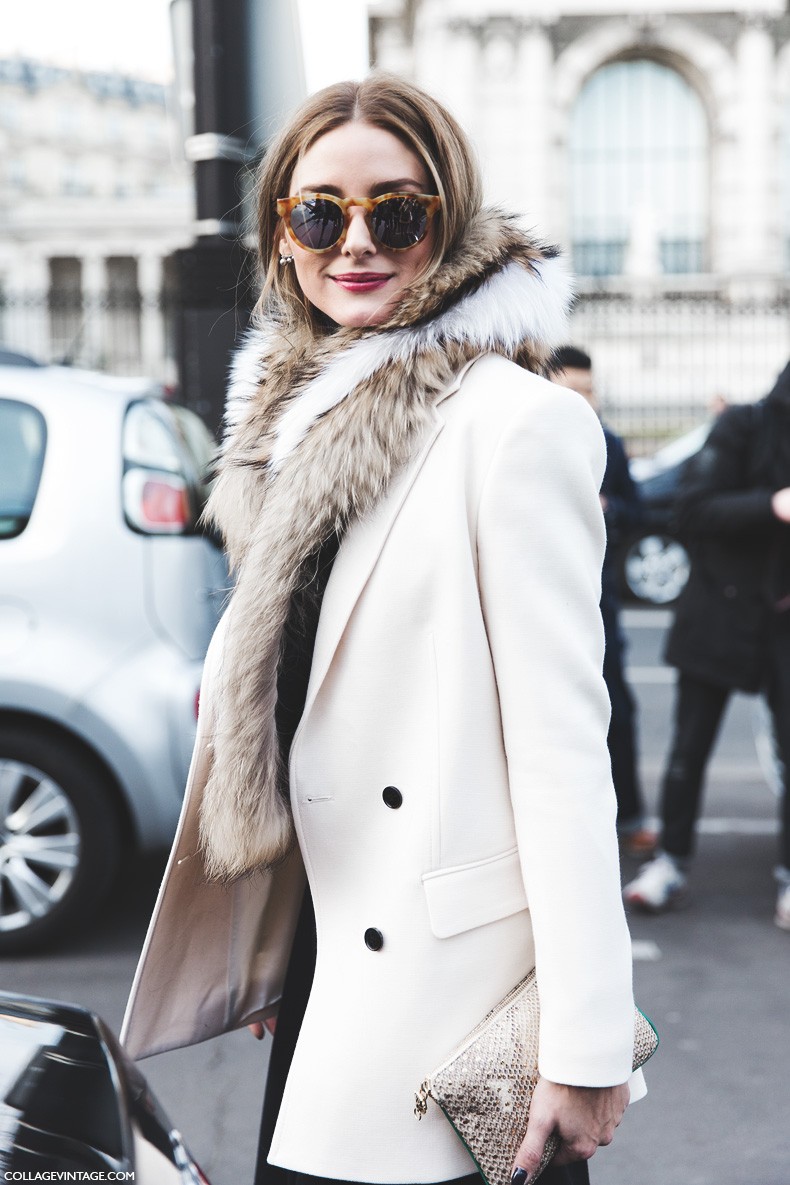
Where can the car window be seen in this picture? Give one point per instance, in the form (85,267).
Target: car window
(670,455)
(23,436)
(683,447)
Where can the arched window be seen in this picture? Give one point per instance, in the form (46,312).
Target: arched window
(639,172)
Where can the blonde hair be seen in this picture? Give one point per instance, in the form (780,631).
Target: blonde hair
(385,101)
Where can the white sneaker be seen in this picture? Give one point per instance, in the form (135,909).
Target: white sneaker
(782,915)
(659,886)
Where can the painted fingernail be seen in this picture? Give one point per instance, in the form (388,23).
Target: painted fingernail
(520,1177)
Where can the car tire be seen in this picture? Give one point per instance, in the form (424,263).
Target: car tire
(655,568)
(60,838)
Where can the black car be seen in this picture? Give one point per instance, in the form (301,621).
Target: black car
(654,564)
(72,1105)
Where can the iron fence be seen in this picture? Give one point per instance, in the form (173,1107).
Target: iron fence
(659,360)
(119,333)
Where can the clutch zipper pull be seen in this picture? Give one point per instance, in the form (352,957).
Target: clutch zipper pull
(421,1098)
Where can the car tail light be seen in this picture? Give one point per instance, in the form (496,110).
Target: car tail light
(156,503)
(167,456)
(165,503)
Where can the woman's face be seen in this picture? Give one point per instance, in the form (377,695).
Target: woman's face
(360,282)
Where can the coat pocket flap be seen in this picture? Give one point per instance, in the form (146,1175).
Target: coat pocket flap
(470,895)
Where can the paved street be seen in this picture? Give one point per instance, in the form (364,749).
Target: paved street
(714,978)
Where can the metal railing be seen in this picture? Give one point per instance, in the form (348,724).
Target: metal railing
(662,361)
(659,360)
(119,333)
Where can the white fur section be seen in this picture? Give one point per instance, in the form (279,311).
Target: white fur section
(514,305)
(246,372)
(327,389)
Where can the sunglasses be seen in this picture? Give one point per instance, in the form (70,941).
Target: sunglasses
(318,221)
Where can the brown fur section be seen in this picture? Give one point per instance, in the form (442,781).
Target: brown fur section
(272,522)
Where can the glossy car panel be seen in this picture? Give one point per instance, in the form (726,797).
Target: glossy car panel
(70,1100)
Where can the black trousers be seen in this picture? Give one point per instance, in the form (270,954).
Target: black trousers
(296,991)
(572,1174)
(622,723)
(699,709)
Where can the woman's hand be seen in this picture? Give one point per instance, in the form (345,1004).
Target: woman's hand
(584,1117)
(258,1028)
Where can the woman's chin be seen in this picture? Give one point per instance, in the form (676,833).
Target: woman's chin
(357,312)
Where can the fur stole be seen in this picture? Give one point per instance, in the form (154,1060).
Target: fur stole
(316,427)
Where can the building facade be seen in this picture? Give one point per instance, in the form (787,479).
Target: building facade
(94,198)
(654,146)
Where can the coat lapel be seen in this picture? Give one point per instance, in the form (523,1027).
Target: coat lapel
(361,546)
(355,561)
(357,556)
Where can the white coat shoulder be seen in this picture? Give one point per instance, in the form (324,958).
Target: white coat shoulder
(497,399)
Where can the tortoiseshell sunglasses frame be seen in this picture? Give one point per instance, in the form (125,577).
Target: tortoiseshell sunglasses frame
(431,203)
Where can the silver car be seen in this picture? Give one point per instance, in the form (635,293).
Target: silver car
(108,596)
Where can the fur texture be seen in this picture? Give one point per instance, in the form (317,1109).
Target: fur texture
(316,427)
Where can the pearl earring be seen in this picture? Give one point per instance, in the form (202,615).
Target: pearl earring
(286,259)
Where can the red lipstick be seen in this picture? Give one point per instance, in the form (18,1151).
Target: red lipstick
(361,281)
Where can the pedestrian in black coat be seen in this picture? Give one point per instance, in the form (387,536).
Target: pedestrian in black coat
(732,623)
(622,508)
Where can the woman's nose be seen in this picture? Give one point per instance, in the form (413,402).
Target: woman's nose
(358,240)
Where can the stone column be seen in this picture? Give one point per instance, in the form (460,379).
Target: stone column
(531,159)
(152,323)
(458,70)
(757,156)
(502,120)
(95,346)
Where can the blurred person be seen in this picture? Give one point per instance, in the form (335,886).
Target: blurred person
(732,625)
(622,509)
(412,513)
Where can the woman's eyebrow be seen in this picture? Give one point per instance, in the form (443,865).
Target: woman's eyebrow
(333,189)
(376,190)
(394,186)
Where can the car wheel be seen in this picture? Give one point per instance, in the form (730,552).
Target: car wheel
(656,569)
(59,838)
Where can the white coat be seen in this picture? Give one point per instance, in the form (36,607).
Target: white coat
(458,658)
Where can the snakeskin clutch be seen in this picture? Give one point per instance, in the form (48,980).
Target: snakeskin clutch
(485,1087)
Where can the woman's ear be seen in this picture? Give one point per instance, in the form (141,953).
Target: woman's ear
(285,246)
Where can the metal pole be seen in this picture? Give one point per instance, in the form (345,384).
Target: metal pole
(213,299)
(248,72)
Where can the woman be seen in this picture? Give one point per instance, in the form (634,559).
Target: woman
(404,699)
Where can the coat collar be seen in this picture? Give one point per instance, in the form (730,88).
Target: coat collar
(512,309)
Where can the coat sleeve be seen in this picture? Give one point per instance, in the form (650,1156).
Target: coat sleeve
(716,495)
(540,546)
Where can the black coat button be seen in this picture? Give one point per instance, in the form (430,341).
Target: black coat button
(374,939)
(392,796)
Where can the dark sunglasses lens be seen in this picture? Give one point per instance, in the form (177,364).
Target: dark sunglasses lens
(399,222)
(317,223)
